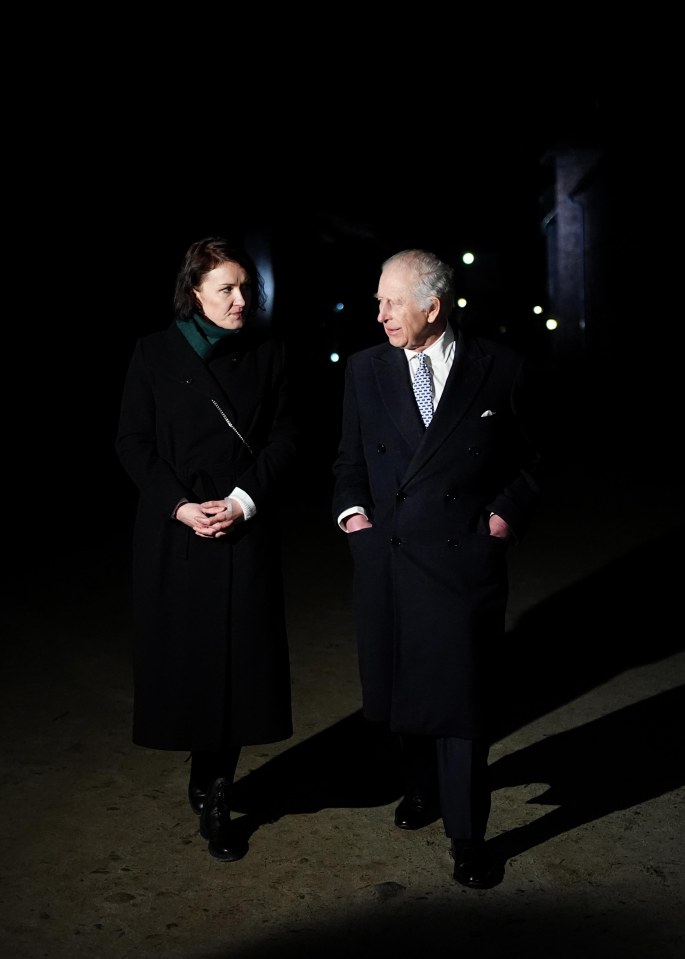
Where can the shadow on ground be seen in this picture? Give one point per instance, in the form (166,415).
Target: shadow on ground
(614,619)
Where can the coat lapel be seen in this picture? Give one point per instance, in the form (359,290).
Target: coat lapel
(469,369)
(394,384)
(216,381)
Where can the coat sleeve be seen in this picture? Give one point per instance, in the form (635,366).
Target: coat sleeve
(351,479)
(518,497)
(274,440)
(136,444)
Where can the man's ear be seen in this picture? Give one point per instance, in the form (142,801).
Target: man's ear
(434,310)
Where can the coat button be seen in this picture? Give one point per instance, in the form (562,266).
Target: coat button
(395,541)
(400,494)
(451,495)
(189,380)
(474,451)
(452,542)
(380,448)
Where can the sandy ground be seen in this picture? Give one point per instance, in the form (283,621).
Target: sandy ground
(101,854)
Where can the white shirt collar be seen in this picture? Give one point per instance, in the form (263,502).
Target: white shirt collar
(439,352)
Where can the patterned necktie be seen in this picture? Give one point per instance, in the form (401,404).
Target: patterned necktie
(422,389)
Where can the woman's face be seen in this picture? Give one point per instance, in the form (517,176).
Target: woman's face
(225,295)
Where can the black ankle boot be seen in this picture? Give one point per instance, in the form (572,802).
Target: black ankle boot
(216,826)
(197,785)
(196,796)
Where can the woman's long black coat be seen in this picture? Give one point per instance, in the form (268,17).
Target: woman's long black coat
(211,665)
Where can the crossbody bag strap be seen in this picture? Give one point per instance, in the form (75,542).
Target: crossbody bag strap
(237,433)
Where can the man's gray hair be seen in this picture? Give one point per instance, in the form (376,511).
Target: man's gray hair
(434,277)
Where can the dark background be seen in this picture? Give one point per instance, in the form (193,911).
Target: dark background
(128,136)
(116,181)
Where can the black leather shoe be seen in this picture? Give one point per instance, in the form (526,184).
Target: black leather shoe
(197,796)
(215,824)
(473,866)
(416,811)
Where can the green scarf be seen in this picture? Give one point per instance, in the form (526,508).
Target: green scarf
(202,334)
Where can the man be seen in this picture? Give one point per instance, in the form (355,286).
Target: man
(431,511)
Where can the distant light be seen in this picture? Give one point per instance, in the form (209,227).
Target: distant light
(537,309)
(461,302)
(334,357)
(468,258)
(339,307)
(551,323)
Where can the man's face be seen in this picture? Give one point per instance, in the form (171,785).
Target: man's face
(404,323)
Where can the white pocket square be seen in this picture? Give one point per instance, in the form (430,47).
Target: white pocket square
(487,413)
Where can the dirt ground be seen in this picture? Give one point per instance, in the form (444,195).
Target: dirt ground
(101,854)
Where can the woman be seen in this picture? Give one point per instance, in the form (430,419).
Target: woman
(206,433)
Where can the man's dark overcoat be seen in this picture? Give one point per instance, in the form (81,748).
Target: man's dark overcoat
(211,665)
(430,584)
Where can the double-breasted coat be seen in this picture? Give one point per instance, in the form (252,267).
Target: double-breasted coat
(210,656)
(430,584)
